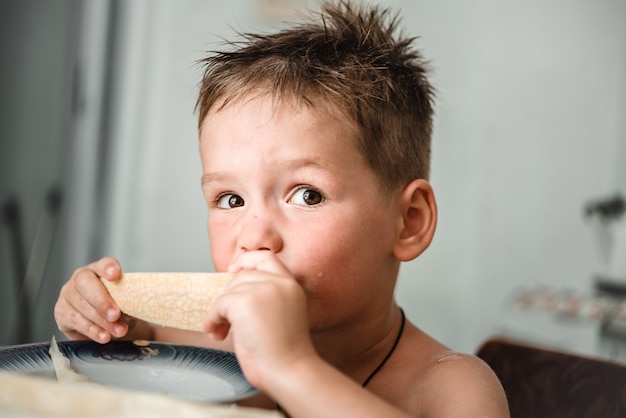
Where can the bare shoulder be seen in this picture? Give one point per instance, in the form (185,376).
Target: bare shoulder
(441,382)
(465,385)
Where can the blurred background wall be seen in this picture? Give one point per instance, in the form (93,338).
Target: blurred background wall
(98,146)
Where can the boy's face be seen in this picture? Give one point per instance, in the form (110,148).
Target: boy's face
(291,181)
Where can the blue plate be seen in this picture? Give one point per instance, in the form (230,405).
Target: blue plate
(192,373)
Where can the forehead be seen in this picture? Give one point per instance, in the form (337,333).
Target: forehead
(259,112)
(258,131)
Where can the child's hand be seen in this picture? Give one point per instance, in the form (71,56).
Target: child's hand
(85,309)
(266,310)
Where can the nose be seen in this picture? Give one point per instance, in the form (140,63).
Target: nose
(259,232)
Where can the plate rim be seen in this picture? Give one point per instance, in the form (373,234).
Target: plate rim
(35,356)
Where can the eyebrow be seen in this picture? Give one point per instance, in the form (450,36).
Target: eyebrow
(293,164)
(212,177)
(304,163)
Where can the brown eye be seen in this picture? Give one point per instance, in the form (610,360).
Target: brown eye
(235,201)
(307,197)
(229,201)
(312,197)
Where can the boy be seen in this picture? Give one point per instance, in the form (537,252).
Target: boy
(315,146)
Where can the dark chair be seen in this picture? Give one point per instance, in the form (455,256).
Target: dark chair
(542,382)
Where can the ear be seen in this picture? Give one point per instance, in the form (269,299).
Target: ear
(418,220)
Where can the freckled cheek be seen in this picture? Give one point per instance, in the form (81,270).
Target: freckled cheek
(341,266)
(322,265)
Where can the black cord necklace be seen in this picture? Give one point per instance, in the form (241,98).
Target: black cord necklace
(393,348)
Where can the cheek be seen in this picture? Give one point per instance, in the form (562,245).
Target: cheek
(330,264)
(221,252)
(352,251)
(219,257)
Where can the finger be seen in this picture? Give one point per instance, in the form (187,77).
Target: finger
(108,268)
(86,294)
(92,318)
(251,293)
(216,330)
(76,325)
(259,260)
(89,292)
(117,328)
(216,322)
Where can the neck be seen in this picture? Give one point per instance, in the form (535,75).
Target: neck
(357,348)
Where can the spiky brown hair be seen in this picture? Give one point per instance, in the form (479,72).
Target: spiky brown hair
(350,57)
